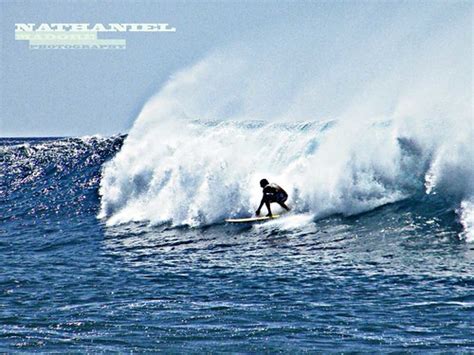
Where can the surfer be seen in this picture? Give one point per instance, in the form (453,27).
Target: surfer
(272,193)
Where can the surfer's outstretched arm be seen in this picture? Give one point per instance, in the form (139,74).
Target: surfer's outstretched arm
(265,201)
(257,212)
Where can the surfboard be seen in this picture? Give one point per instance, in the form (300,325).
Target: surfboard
(251,219)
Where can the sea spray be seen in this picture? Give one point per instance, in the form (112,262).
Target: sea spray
(339,144)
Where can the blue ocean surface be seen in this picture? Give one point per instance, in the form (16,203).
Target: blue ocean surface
(394,278)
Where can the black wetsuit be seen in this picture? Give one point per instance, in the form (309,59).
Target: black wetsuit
(274,193)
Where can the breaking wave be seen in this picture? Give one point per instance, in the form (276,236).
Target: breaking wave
(199,147)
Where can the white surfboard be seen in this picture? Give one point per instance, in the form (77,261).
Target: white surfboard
(251,219)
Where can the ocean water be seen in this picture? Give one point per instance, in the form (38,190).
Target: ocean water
(388,268)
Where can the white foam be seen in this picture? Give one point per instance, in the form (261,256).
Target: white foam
(466,214)
(289,221)
(199,147)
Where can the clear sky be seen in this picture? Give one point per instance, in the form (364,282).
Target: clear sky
(84,92)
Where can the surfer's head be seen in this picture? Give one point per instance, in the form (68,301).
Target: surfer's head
(264,182)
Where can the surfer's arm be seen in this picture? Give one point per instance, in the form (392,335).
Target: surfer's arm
(257,212)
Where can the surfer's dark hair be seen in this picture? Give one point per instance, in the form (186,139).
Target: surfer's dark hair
(264,182)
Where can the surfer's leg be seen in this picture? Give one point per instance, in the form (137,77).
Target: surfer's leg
(267,203)
(281,198)
(282,204)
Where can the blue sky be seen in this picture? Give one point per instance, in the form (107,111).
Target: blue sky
(84,92)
